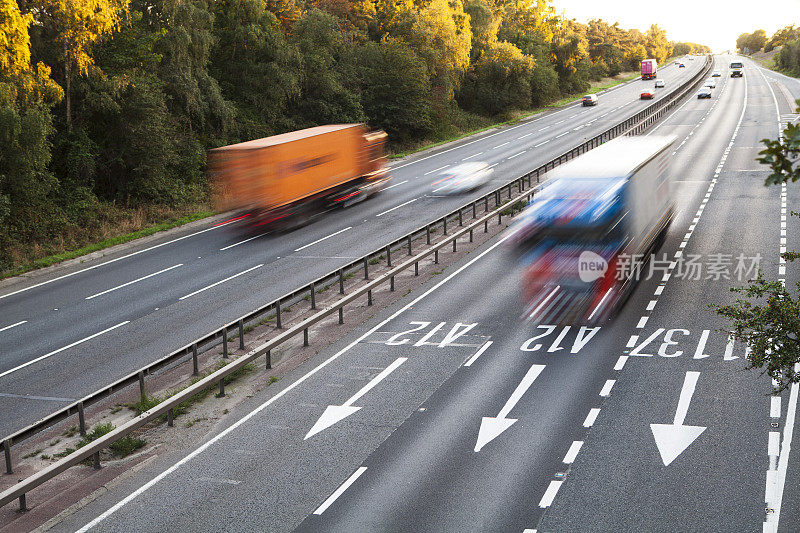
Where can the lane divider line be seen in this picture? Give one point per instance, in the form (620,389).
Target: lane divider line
(324,238)
(132,282)
(14,325)
(338,492)
(397,207)
(198,291)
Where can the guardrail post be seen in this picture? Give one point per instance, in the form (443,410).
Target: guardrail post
(416,268)
(313,296)
(241,334)
(444,224)
(485,204)
(7,453)
(22,504)
(369,297)
(391,284)
(460,217)
(428,234)
(81,419)
(268,357)
(305,337)
(278,314)
(474,209)
(470,235)
(499,219)
(486,226)
(142,389)
(409,245)
(195,370)
(509,191)
(366,269)
(389,256)
(454,245)
(341,315)
(170,417)
(436,257)
(96,457)
(224,343)
(497,199)
(221,388)
(341,281)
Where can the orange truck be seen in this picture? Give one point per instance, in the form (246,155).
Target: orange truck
(281,181)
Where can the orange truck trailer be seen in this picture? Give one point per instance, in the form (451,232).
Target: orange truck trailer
(280,181)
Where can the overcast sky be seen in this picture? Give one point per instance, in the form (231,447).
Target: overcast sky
(713,22)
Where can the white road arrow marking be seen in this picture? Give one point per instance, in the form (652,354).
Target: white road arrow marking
(491,427)
(335,413)
(673,439)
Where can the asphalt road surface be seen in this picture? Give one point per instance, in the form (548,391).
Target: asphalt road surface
(74,330)
(446,412)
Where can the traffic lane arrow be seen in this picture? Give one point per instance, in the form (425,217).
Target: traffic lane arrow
(673,439)
(336,413)
(492,427)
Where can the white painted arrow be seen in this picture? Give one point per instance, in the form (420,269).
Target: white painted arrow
(491,427)
(335,413)
(673,439)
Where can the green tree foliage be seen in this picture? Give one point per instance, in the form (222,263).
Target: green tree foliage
(781,37)
(748,43)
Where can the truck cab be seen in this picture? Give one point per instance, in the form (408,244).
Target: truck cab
(737,69)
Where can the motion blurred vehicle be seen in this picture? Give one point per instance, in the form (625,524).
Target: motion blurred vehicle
(736,69)
(711,84)
(583,239)
(462,178)
(647,94)
(715,74)
(681,65)
(589,99)
(279,182)
(649,67)
(659,84)
(704,92)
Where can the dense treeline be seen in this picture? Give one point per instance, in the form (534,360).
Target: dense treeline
(786,39)
(109,106)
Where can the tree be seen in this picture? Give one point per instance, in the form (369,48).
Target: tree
(757,40)
(767,318)
(781,37)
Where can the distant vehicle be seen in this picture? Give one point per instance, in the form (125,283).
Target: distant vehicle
(462,178)
(589,99)
(710,83)
(278,182)
(691,58)
(659,84)
(681,65)
(704,92)
(676,62)
(647,94)
(736,69)
(649,68)
(582,239)
(715,74)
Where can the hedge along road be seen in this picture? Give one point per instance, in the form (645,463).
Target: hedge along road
(179,288)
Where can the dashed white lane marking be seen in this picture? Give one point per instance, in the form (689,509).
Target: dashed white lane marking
(14,325)
(499,145)
(545,128)
(606,390)
(67,347)
(478,353)
(559,122)
(651,304)
(436,170)
(632,341)
(396,207)
(562,134)
(132,282)
(396,184)
(338,492)
(515,155)
(244,241)
(198,291)
(591,417)
(526,135)
(323,238)
(620,364)
(642,322)
(572,453)
(550,494)
(116,259)
(541,143)
(473,155)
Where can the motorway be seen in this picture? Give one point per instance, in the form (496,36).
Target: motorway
(75,329)
(447,413)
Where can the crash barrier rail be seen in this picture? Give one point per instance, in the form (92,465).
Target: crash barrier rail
(500,197)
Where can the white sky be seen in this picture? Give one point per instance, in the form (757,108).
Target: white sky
(713,22)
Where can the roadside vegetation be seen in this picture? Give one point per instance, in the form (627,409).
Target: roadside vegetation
(107,107)
(785,42)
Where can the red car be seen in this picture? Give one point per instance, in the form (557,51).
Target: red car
(647,94)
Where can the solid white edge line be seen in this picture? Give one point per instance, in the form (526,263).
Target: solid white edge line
(338,492)
(323,238)
(550,494)
(282,393)
(478,353)
(572,453)
(396,207)
(132,282)
(14,325)
(45,356)
(220,281)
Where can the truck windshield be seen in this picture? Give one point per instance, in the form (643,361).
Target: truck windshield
(736,65)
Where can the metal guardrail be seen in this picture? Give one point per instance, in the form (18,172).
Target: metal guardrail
(524,188)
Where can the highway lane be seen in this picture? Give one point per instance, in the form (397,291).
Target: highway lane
(147,305)
(583,401)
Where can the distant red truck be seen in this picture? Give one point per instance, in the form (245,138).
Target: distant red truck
(649,68)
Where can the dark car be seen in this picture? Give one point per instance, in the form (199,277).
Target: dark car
(589,99)
(681,65)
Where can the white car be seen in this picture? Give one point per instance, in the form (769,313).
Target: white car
(659,84)
(462,178)
(710,83)
(716,74)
